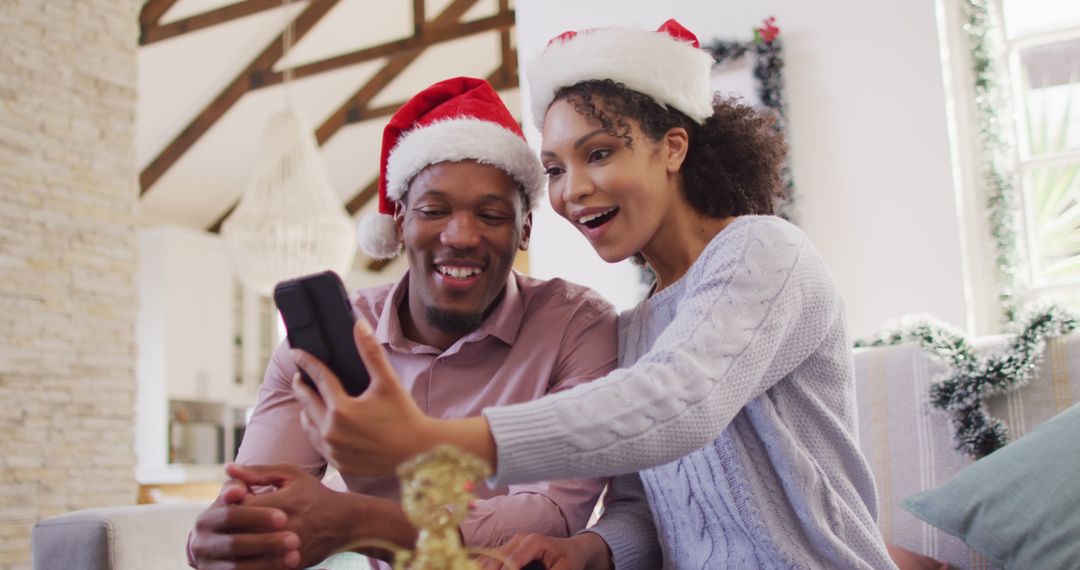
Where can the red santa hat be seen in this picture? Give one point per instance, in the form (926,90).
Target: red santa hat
(453,120)
(667,65)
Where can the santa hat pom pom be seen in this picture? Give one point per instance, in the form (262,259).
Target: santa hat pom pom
(378,236)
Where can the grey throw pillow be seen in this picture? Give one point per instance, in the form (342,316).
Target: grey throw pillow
(1019,506)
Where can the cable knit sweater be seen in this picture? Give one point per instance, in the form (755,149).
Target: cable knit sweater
(736,404)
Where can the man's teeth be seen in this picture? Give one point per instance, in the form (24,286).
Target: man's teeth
(591,217)
(459,272)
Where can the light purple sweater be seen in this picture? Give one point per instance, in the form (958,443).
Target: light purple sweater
(735,401)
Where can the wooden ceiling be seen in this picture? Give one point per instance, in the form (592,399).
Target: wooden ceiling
(430,30)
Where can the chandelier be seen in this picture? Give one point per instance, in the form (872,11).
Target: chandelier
(290,221)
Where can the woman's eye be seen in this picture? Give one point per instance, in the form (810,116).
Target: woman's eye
(553,171)
(599,154)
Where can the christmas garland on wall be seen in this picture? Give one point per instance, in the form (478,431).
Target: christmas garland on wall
(995,148)
(971,378)
(768,70)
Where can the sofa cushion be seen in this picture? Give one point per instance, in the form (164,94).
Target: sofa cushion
(1018,505)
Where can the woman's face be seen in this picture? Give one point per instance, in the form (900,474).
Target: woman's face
(618,197)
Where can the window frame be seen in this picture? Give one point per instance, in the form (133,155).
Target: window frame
(1033,285)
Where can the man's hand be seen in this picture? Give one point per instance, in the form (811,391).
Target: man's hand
(231,535)
(586,551)
(326,521)
(374,432)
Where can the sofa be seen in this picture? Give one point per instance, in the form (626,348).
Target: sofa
(116,538)
(909,447)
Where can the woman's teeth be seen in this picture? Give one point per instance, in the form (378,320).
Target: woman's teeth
(598,219)
(459,272)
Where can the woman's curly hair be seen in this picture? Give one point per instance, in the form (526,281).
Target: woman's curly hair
(733,162)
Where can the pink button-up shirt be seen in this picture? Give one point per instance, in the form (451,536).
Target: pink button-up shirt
(544,336)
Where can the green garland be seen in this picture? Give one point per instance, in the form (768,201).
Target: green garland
(768,70)
(970,378)
(995,149)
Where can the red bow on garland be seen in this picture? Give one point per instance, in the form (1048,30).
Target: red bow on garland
(768,32)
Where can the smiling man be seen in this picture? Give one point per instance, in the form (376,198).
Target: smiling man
(461,328)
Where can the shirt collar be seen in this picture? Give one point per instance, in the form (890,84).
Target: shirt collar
(503,323)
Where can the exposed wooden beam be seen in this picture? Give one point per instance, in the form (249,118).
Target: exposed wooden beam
(434,34)
(499,80)
(356,108)
(157,32)
(152,11)
(363,197)
(509,54)
(228,97)
(419,20)
(353,109)
(395,64)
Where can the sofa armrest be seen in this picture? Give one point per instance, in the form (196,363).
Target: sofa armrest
(116,538)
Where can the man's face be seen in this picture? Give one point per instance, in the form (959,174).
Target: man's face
(462,223)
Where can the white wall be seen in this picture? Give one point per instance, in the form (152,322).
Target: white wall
(868,135)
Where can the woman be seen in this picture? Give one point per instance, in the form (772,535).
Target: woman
(735,399)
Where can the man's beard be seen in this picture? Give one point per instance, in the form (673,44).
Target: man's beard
(454,322)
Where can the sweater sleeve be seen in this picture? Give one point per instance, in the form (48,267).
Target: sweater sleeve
(756,304)
(626,525)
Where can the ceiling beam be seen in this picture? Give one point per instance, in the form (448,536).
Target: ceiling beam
(152,11)
(155,32)
(356,106)
(433,34)
(228,97)
(260,72)
(357,103)
(419,19)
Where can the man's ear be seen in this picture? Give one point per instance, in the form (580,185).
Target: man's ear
(399,219)
(676,143)
(526,232)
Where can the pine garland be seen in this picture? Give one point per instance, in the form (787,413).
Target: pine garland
(995,149)
(768,70)
(970,379)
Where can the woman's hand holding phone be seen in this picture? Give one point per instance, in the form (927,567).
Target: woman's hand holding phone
(373,433)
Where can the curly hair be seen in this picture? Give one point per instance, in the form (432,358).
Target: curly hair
(733,162)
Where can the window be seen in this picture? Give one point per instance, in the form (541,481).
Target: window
(1042,38)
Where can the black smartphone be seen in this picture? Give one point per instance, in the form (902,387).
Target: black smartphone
(319,319)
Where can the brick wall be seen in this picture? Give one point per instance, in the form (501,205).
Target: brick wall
(67,261)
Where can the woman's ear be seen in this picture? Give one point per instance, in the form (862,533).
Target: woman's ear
(675,144)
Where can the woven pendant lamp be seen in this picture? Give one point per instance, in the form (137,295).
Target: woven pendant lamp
(290,221)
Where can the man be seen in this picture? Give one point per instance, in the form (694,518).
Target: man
(462,330)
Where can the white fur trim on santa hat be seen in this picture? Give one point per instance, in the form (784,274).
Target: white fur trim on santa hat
(464,138)
(378,237)
(671,71)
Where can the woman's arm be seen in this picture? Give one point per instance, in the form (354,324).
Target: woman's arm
(757,305)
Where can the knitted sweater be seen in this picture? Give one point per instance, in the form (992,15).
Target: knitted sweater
(735,401)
